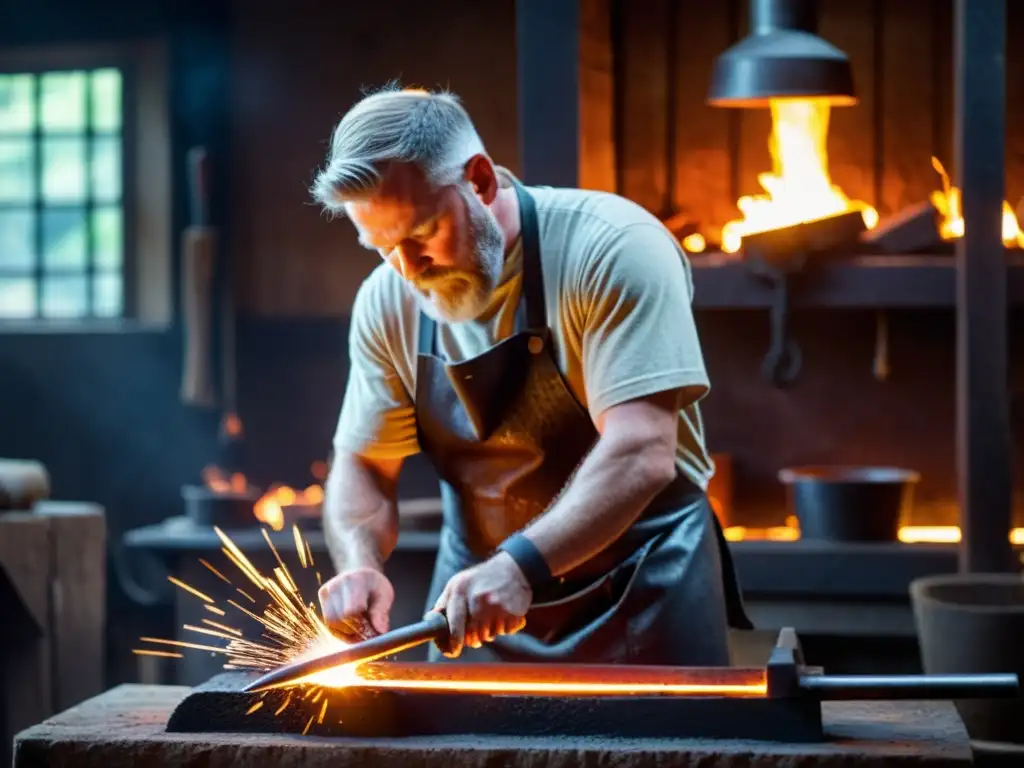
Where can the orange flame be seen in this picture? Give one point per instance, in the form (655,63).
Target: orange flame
(218,482)
(947,203)
(272,507)
(799,188)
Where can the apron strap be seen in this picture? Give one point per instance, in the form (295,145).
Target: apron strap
(533,277)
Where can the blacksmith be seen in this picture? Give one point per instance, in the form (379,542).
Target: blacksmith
(539,346)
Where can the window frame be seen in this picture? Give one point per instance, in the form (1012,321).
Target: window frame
(147,196)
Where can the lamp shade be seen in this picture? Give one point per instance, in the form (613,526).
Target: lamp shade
(782,58)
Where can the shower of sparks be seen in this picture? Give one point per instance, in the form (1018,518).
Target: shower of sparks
(290,628)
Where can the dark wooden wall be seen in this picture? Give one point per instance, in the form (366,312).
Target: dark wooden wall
(674,151)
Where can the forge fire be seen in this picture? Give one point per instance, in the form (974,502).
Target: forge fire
(799,188)
(279,502)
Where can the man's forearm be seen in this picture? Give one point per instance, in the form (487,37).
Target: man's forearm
(360,514)
(610,490)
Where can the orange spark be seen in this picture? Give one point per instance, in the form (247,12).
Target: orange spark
(223,627)
(215,572)
(298,545)
(192,590)
(283,706)
(163,654)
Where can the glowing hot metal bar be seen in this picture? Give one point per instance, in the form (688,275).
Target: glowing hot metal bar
(549,680)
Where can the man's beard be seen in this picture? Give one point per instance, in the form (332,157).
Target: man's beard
(457,295)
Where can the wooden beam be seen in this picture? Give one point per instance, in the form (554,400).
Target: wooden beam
(984,448)
(548,72)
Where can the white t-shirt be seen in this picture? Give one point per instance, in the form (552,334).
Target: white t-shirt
(618,295)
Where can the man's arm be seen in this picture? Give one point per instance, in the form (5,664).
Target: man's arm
(642,362)
(361,511)
(632,461)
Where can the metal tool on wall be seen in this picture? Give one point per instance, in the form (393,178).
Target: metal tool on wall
(778,256)
(231,432)
(782,362)
(208,285)
(198,263)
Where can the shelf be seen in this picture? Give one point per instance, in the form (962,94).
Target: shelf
(857,282)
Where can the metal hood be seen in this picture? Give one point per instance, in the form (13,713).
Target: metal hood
(783,57)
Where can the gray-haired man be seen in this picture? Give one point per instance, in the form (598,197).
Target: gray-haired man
(538,345)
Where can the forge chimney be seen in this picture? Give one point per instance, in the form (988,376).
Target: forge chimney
(781,58)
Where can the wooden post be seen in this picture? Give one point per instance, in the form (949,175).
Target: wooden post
(547,66)
(984,470)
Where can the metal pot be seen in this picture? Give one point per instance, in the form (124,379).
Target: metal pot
(224,509)
(849,503)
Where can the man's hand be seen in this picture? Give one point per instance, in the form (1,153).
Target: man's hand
(485,601)
(356,593)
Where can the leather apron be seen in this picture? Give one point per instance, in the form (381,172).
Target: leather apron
(505,435)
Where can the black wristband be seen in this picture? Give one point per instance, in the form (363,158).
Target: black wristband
(529,559)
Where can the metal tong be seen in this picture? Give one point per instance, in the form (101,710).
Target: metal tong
(433,627)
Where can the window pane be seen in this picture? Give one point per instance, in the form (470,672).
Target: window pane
(17,240)
(65,296)
(106,100)
(17,181)
(64,170)
(17,297)
(106,168)
(63,101)
(108,237)
(16,113)
(64,238)
(108,298)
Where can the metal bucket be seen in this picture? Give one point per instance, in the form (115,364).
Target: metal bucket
(849,503)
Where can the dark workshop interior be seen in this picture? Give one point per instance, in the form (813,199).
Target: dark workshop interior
(174,309)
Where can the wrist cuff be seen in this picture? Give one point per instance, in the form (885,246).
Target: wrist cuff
(529,559)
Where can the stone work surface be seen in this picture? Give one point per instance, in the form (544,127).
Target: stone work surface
(125,727)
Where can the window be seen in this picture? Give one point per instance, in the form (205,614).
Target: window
(62,179)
